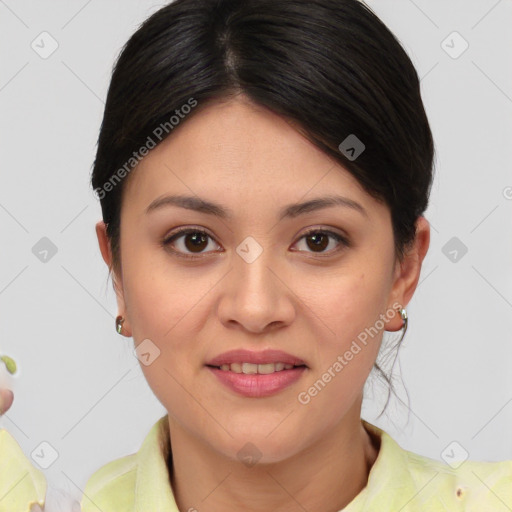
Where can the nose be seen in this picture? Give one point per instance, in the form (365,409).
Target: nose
(257,297)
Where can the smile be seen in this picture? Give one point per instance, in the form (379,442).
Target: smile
(252,368)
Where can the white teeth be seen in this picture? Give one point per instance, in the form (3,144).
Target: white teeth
(266,368)
(236,367)
(249,368)
(252,368)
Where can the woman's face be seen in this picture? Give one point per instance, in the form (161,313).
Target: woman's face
(255,281)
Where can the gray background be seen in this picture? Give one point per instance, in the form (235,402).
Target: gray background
(79,387)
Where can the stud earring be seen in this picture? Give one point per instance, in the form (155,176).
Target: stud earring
(403,314)
(119,324)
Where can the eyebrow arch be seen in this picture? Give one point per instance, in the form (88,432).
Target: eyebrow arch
(290,211)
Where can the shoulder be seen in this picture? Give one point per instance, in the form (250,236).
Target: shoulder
(470,485)
(404,480)
(21,483)
(122,483)
(112,486)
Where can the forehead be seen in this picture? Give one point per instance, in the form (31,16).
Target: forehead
(238,147)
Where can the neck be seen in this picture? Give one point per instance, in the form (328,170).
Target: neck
(327,475)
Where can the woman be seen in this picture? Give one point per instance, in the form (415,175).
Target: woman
(263,168)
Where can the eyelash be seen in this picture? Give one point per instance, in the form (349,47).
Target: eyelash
(185,231)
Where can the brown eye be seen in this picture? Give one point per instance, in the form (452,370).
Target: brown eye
(195,242)
(188,242)
(318,240)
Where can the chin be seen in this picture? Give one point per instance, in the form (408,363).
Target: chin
(259,448)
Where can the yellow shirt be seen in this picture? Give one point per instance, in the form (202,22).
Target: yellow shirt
(21,484)
(399,480)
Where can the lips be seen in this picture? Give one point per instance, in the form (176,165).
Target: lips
(264,357)
(257,374)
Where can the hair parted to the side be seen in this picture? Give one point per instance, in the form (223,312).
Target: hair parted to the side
(329,66)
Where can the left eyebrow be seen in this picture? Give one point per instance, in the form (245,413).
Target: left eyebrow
(290,211)
(293,210)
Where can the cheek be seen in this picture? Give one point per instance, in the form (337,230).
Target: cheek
(346,345)
(159,296)
(168,307)
(347,308)
(348,303)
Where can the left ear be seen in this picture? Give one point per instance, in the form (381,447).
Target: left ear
(407,273)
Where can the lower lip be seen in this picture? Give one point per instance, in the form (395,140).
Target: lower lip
(258,385)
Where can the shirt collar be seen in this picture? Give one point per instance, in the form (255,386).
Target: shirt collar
(389,480)
(153,489)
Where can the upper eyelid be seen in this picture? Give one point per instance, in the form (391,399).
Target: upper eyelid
(184,231)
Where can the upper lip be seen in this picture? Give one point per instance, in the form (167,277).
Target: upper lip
(251,356)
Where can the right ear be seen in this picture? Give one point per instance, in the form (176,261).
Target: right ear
(106,253)
(101,233)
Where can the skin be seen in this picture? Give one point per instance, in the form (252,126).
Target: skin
(6,399)
(309,302)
